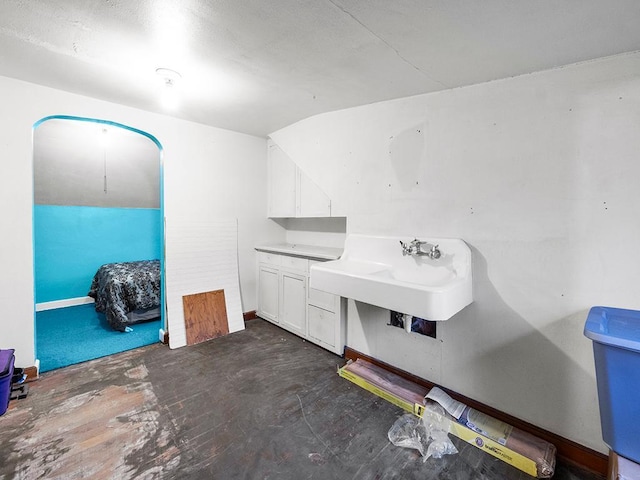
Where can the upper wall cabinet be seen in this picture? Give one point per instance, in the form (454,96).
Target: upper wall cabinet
(291,193)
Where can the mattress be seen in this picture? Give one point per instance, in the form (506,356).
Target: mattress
(124,288)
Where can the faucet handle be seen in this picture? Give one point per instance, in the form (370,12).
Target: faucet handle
(405,248)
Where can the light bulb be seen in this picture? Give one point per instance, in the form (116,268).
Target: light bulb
(169,94)
(170,97)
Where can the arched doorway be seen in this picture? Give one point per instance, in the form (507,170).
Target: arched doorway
(97,201)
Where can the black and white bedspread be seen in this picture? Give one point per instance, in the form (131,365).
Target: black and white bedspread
(122,288)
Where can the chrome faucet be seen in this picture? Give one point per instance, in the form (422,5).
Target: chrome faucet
(415,249)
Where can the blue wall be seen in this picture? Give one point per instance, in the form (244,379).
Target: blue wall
(71,243)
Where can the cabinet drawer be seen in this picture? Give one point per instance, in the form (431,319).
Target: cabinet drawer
(269,258)
(295,263)
(322,325)
(321,299)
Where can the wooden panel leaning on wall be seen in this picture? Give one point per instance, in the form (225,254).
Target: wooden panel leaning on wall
(205,316)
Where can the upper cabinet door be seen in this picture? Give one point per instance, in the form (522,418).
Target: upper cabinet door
(312,202)
(291,193)
(282,183)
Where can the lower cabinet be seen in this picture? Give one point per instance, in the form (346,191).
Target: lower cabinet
(326,314)
(268,292)
(322,327)
(293,302)
(285,300)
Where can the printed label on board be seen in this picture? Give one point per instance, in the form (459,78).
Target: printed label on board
(453,407)
(486,425)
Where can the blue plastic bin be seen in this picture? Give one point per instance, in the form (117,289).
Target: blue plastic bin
(616,347)
(7,359)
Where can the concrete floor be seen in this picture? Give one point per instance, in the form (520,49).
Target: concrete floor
(257,404)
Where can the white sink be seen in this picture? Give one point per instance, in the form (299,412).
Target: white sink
(373,270)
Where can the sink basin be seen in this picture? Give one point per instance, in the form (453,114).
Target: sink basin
(373,270)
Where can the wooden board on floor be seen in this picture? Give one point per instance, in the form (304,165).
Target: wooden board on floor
(205,316)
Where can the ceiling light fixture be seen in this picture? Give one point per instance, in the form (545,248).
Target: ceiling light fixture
(170,95)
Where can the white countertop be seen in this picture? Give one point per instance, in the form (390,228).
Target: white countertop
(299,250)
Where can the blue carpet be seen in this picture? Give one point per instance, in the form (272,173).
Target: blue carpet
(66,336)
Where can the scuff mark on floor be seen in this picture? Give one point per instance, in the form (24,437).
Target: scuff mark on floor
(140,372)
(110,431)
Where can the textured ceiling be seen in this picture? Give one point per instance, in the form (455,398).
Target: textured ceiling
(256,66)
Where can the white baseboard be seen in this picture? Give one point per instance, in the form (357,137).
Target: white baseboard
(67,302)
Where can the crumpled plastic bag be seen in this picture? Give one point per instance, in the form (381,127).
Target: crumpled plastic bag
(408,431)
(428,435)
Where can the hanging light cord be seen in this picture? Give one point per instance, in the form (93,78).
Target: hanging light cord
(105,169)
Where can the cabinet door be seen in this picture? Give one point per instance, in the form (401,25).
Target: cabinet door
(268,298)
(322,326)
(293,301)
(312,202)
(282,178)
(327,301)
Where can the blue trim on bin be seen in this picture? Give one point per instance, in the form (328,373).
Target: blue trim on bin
(616,327)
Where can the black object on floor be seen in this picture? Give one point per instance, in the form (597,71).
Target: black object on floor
(18,376)
(18,392)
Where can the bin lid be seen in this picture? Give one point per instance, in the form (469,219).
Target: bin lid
(614,326)
(5,361)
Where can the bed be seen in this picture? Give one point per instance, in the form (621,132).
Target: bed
(127,292)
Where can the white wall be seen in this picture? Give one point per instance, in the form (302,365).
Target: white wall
(539,174)
(209,173)
(324,232)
